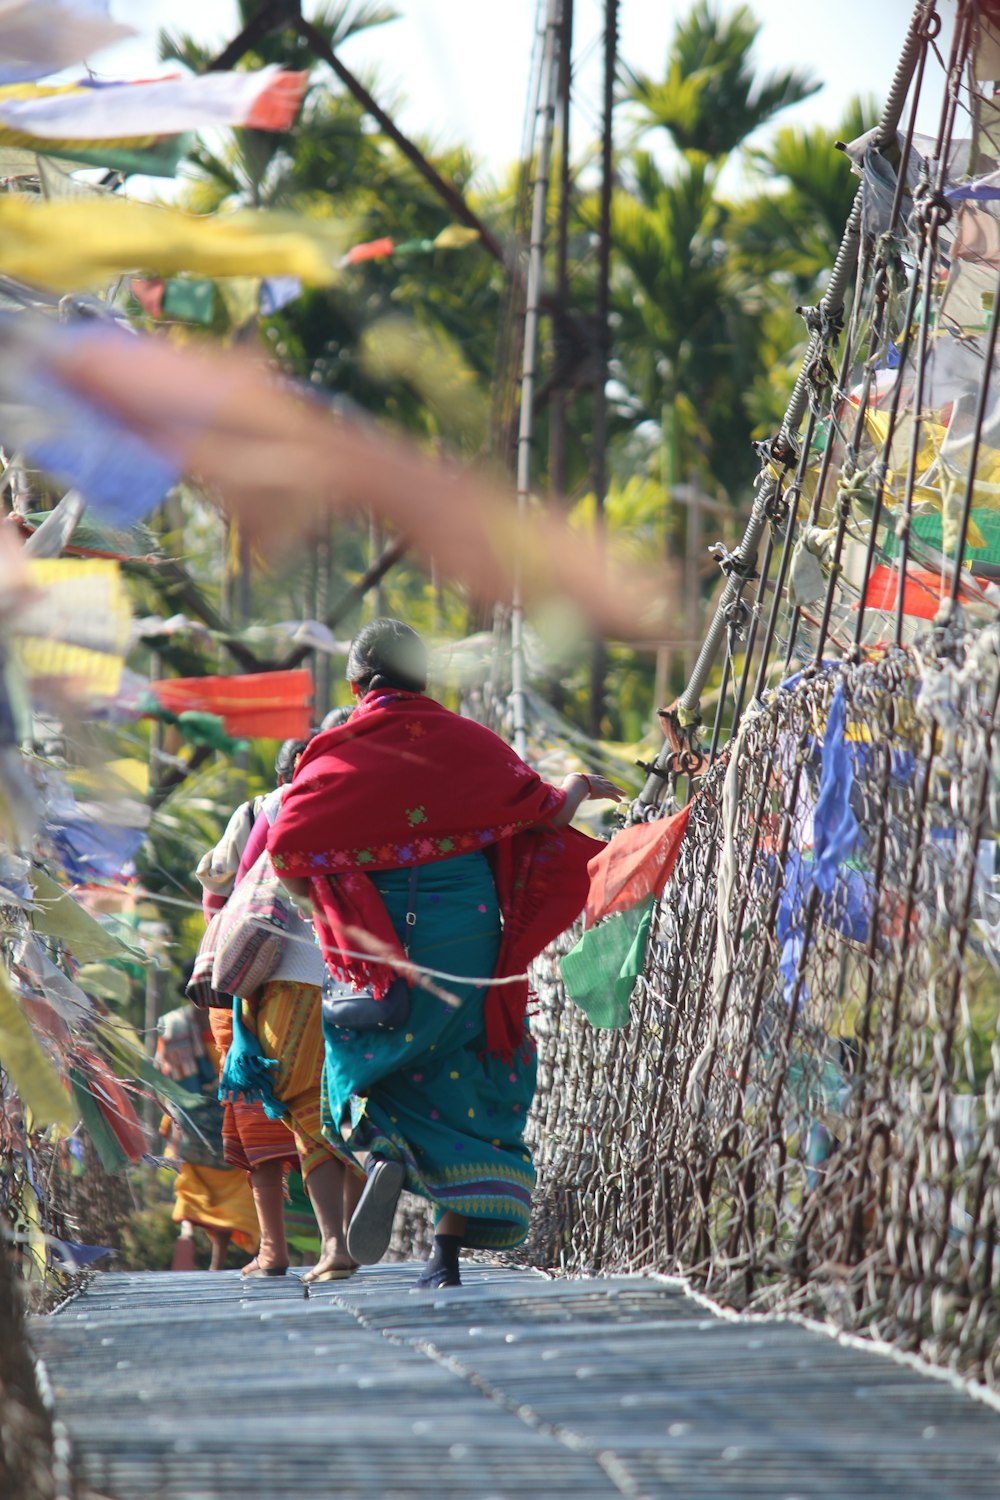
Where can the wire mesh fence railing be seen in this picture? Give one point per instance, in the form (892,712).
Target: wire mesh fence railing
(803,1111)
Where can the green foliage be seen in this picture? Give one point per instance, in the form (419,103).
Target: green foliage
(336,20)
(687,334)
(634,513)
(787,233)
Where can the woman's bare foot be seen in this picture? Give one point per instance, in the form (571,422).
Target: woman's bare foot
(333,1265)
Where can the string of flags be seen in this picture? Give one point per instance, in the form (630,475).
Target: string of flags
(452,237)
(194,299)
(77,922)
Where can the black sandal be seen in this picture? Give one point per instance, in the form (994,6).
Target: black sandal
(370,1229)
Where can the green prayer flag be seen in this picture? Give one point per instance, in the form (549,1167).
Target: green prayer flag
(59,916)
(189,298)
(600,972)
(106,1144)
(106,982)
(158,160)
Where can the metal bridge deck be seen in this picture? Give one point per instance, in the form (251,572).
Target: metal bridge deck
(197,1387)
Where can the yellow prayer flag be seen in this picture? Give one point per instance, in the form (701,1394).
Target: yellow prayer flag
(30,1071)
(241,298)
(455,237)
(92,674)
(31,1236)
(69,244)
(79,629)
(85,602)
(134,773)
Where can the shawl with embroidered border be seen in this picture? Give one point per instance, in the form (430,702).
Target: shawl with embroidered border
(407,782)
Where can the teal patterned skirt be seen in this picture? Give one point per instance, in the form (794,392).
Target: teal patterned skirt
(430,1095)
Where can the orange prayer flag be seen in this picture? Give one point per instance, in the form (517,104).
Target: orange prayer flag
(282,463)
(265,705)
(635,864)
(276,107)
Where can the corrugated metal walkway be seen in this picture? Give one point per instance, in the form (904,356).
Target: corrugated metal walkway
(197,1387)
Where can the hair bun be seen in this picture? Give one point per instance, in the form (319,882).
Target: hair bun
(388,654)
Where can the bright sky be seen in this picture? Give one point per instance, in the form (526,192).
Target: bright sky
(462,66)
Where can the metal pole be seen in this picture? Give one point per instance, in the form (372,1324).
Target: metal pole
(830,305)
(559,403)
(544,122)
(599,425)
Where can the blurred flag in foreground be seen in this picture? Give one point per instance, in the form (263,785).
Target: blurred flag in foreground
(281,461)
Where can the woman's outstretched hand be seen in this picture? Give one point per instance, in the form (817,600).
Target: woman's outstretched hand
(600,789)
(584,786)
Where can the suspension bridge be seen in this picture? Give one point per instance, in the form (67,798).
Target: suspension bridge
(802,1117)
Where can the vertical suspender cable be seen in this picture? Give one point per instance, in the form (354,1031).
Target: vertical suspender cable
(526,429)
(831,303)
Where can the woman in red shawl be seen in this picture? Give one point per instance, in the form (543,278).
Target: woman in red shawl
(440,1103)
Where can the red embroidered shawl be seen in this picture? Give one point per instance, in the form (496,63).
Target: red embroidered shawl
(407,782)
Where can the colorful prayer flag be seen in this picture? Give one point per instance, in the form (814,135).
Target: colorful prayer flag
(371,250)
(456,237)
(266,705)
(29,1069)
(923,593)
(71,438)
(267,99)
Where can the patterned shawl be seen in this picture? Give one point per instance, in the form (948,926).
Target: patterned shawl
(406,782)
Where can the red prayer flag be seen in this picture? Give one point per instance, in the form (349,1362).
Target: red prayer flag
(113,1102)
(923,591)
(266,705)
(635,864)
(372,250)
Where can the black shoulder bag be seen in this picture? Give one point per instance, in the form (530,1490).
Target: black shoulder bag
(358,1010)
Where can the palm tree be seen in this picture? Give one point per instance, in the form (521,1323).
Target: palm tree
(791,227)
(784,238)
(686,337)
(712,97)
(689,313)
(335,19)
